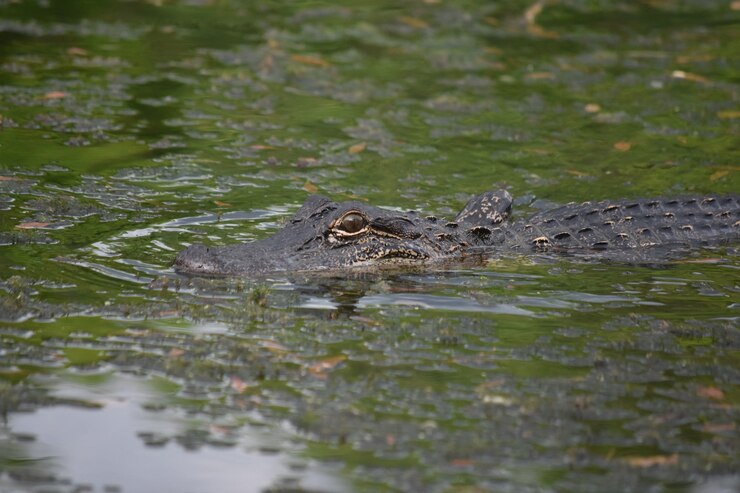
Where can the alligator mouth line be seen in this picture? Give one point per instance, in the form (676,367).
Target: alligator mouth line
(389,255)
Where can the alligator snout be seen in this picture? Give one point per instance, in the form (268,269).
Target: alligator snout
(197,259)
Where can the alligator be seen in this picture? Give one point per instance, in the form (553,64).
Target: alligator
(324,235)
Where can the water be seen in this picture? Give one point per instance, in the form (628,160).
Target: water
(131,129)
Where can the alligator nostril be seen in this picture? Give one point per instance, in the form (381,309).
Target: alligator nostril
(194,258)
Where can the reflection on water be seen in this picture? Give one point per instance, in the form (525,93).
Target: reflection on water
(132,444)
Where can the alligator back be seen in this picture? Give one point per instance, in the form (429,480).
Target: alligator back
(625,224)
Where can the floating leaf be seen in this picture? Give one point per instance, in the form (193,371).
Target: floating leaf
(169,313)
(273,346)
(592,108)
(530,17)
(310,187)
(175,352)
(728,114)
(622,146)
(74,51)
(498,400)
(32,225)
(310,60)
(490,384)
(462,462)
(320,368)
(55,95)
(719,174)
(680,74)
(711,261)
(365,320)
(540,75)
(718,427)
(414,22)
(653,460)
(222,204)
(237,384)
(357,148)
(711,393)
(698,57)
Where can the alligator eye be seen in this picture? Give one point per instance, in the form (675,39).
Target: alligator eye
(352,223)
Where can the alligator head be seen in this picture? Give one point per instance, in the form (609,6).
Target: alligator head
(327,235)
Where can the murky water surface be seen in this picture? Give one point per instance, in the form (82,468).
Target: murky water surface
(131,129)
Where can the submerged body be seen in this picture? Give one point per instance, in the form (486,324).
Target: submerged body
(327,235)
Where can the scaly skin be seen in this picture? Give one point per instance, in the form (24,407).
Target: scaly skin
(330,236)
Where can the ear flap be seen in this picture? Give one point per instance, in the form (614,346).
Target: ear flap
(487,209)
